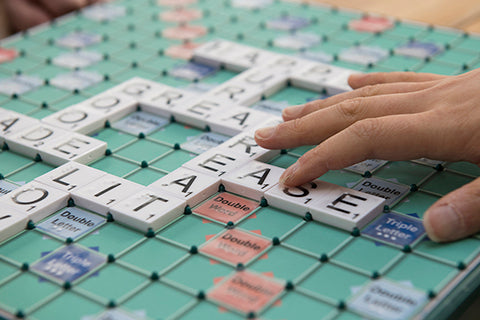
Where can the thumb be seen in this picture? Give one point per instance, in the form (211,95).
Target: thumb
(456,215)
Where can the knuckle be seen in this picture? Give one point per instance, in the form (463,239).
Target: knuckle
(366,129)
(350,109)
(370,90)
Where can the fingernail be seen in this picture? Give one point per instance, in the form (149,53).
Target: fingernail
(264,133)
(288,174)
(293,111)
(443,224)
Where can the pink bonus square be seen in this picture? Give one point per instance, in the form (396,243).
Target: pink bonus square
(236,246)
(246,291)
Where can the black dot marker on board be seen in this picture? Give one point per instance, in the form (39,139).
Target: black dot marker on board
(275,241)
(386,208)
(70,203)
(20,314)
(110,217)
(25,266)
(413,187)
(37,158)
(431,294)
(461,265)
(193,250)
(263,202)
(67,285)
(289,286)
(251,315)
(154,276)
(375,275)
(30,225)
(187,210)
(240,267)
(221,188)
(308,217)
(69,240)
(230,225)
(201,295)
(108,152)
(323,258)
(150,233)
(144,164)
(355,232)
(407,249)
(110,258)
(111,304)
(341,305)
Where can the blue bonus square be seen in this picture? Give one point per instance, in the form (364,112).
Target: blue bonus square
(71,223)
(69,263)
(394,228)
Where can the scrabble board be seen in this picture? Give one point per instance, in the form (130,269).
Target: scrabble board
(131,186)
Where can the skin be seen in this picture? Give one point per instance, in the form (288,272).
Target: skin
(24,14)
(392,116)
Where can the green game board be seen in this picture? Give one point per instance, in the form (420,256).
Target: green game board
(230,250)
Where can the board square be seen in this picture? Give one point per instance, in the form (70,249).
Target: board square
(226,207)
(236,246)
(246,291)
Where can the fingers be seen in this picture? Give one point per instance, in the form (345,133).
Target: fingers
(23,14)
(361,80)
(366,91)
(456,215)
(320,125)
(59,7)
(397,137)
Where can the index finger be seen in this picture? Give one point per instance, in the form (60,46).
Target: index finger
(397,137)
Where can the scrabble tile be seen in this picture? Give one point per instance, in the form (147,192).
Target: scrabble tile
(75,147)
(148,209)
(216,162)
(36,200)
(138,88)
(104,192)
(192,186)
(197,112)
(346,208)
(216,53)
(77,118)
(252,180)
(317,77)
(165,102)
(297,200)
(31,140)
(244,143)
(12,123)
(236,119)
(70,176)
(112,105)
(71,223)
(11,222)
(6,187)
(249,87)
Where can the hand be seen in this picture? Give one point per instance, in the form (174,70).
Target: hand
(392,116)
(24,14)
